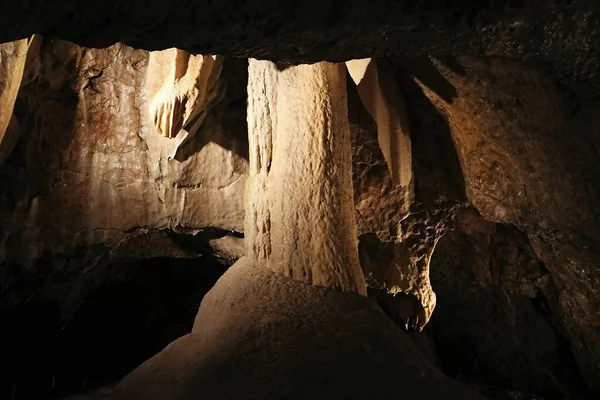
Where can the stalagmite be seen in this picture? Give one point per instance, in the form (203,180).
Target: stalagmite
(300,210)
(180,86)
(12,63)
(381,97)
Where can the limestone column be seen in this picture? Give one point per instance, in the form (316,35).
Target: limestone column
(299,205)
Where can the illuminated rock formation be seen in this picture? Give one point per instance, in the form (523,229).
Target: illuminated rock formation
(180,86)
(280,331)
(12,64)
(381,97)
(300,214)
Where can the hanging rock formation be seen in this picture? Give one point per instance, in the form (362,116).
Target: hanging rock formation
(82,191)
(399,266)
(104,152)
(180,86)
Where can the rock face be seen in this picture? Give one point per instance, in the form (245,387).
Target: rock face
(378,90)
(299,212)
(253,327)
(496,303)
(105,138)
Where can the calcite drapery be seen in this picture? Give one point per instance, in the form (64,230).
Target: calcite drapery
(180,86)
(381,97)
(299,212)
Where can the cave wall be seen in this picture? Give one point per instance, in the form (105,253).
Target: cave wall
(88,171)
(505,164)
(530,157)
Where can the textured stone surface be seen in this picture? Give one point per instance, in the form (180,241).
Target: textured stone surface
(181,87)
(379,93)
(105,170)
(13,56)
(88,180)
(529,154)
(299,341)
(496,306)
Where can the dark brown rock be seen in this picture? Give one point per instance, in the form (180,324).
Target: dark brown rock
(529,156)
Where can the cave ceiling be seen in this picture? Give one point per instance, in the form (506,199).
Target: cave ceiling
(560,36)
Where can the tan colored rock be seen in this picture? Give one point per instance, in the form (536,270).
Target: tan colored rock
(391,260)
(260,335)
(12,63)
(291,337)
(529,155)
(300,213)
(180,86)
(401,267)
(103,172)
(381,97)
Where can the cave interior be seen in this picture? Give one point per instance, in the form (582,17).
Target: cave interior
(300,199)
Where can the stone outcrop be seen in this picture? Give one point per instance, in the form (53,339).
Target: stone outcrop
(529,153)
(391,261)
(301,340)
(495,304)
(89,177)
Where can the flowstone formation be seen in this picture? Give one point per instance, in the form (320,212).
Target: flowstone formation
(381,97)
(292,203)
(497,148)
(180,87)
